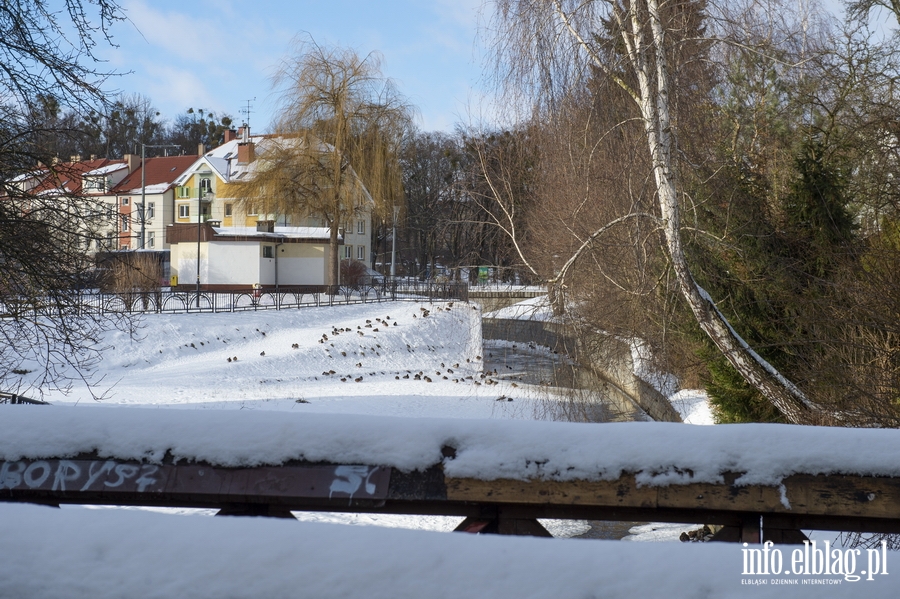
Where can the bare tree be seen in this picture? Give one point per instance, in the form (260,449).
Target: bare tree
(552,47)
(200,126)
(46,49)
(863,8)
(500,179)
(430,168)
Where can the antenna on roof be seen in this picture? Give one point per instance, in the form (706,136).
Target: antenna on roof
(247,110)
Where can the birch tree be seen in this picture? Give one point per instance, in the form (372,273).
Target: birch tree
(545,48)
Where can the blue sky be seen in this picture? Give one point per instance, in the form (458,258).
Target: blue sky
(217,54)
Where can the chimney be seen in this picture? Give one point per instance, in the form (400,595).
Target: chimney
(230,135)
(201,149)
(243,132)
(132,160)
(246,152)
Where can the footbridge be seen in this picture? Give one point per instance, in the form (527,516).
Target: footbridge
(492,298)
(758,482)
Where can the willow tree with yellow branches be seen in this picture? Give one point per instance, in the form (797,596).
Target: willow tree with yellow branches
(337,141)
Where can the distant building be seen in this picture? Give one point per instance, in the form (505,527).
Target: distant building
(265,257)
(146,229)
(106,197)
(239,249)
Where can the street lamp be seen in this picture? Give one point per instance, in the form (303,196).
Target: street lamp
(201,195)
(144,186)
(394,242)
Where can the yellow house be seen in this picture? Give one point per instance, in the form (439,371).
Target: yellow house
(202,196)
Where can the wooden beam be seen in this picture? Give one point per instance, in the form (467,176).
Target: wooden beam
(835,502)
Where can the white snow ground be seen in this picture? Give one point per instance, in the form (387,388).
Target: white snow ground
(183,361)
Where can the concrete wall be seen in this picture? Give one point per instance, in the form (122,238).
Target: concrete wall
(234,262)
(608,361)
(184,263)
(241,263)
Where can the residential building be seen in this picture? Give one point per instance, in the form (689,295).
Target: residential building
(266,256)
(106,197)
(246,232)
(145,228)
(79,190)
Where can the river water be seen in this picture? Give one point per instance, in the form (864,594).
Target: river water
(555,384)
(560,388)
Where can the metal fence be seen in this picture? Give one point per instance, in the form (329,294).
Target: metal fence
(12,398)
(183,301)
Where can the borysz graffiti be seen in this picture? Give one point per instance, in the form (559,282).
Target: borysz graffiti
(77,475)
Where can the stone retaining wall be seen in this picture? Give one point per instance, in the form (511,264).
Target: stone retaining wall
(608,360)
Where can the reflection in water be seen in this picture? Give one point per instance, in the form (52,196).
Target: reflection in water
(528,364)
(562,389)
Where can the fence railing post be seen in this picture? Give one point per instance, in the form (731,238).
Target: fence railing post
(388,289)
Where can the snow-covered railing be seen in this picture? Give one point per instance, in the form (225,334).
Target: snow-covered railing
(500,475)
(13,398)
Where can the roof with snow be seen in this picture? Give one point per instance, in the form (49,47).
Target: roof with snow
(188,233)
(286,232)
(223,160)
(105,170)
(161,174)
(66,177)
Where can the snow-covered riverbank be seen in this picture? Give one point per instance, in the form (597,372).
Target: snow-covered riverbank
(385,383)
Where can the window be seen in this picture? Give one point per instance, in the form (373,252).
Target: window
(268,251)
(205,185)
(360,227)
(151,209)
(125,201)
(251,210)
(151,239)
(228,210)
(96,184)
(184,211)
(124,222)
(184,191)
(348,252)
(361,253)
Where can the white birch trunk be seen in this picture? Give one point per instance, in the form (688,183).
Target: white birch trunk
(654,105)
(645,49)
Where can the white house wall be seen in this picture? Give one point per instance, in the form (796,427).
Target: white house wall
(241,263)
(235,263)
(301,264)
(184,263)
